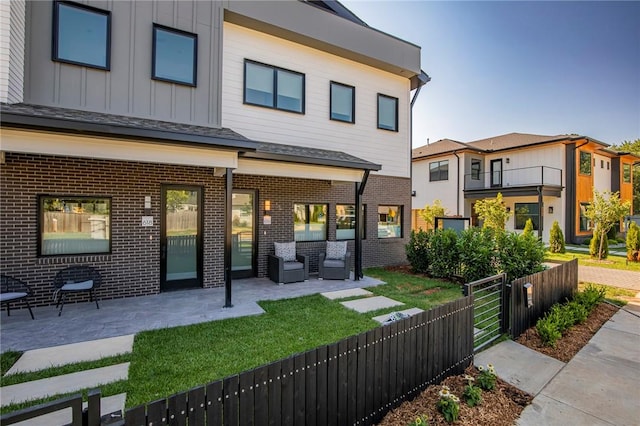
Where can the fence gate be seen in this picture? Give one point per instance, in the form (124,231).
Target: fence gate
(490,309)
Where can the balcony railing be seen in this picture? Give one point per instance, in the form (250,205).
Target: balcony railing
(526,176)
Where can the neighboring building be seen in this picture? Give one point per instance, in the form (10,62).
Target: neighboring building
(545,178)
(170,143)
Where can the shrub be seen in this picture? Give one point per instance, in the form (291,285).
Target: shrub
(445,258)
(633,242)
(518,256)
(418,251)
(548,331)
(586,242)
(594,245)
(590,296)
(475,246)
(556,238)
(528,228)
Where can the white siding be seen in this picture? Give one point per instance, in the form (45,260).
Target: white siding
(548,218)
(12,33)
(444,190)
(601,175)
(524,167)
(314,129)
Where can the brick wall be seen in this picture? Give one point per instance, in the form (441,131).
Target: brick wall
(133,267)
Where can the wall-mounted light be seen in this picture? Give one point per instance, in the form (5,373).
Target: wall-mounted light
(550,210)
(413,193)
(528,295)
(147,205)
(267,206)
(508,209)
(507,160)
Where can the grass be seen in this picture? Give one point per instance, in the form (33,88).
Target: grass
(611,262)
(614,295)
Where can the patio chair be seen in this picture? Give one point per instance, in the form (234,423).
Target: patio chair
(74,279)
(13,290)
(335,262)
(286,266)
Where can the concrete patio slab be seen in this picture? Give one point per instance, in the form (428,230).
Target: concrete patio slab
(556,413)
(520,366)
(343,294)
(371,304)
(39,359)
(413,311)
(63,384)
(108,405)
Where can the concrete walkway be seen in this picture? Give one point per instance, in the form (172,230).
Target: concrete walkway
(599,386)
(613,277)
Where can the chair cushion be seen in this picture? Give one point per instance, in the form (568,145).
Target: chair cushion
(287,251)
(5,297)
(84,285)
(333,263)
(292,266)
(336,250)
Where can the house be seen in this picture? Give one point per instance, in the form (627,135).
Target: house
(171,143)
(542,178)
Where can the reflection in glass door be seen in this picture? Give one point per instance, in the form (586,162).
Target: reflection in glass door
(242,234)
(181,238)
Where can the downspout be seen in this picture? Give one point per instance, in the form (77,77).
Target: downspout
(422,79)
(457,184)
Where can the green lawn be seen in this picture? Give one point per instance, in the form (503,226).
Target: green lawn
(167,361)
(611,262)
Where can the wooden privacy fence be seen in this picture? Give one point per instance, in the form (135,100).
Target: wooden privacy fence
(549,287)
(354,381)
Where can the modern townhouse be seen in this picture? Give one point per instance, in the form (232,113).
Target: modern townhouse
(542,178)
(171,143)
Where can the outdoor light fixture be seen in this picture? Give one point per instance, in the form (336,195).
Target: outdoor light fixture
(147,205)
(528,294)
(508,209)
(550,209)
(267,206)
(507,160)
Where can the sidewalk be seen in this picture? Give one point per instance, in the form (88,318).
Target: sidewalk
(599,386)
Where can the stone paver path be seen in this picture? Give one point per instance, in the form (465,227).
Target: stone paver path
(343,294)
(371,304)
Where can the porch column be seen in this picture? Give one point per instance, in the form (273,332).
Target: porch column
(357,273)
(227,236)
(540,213)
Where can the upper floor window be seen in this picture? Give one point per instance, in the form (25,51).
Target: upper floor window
(272,87)
(439,170)
(310,222)
(175,55)
(526,211)
(389,221)
(475,169)
(81,35)
(72,225)
(343,102)
(585,163)
(387,112)
(626,173)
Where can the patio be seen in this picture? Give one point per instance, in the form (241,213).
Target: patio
(117,317)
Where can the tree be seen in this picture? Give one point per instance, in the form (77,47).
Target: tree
(633,242)
(634,147)
(429,213)
(605,211)
(556,238)
(492,212)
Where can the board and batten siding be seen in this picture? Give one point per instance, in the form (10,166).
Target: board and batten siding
(444,190)
(314,128)
(12,36)
(528,161)
(601,174)
(127,89)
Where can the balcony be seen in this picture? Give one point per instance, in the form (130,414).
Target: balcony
(538,180)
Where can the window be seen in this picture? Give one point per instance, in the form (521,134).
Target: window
(81,35)
(387,112)
(607,165)
(475,169)
(602,164)
(389,221)
(74,225)
(343,102)
(346,222)
(439,170)
(626,173)
(585,163)
(526,211)
(585,223)
(310,222)
(175,55)
(272,87)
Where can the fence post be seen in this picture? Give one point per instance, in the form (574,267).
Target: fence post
(93,408)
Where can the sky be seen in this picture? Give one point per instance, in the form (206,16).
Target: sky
(540,67)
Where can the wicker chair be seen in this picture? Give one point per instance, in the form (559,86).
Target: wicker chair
(73,279)
(12,290)
(286,266)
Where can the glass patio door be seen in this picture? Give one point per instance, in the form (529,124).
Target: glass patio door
(181,238)
(496,173)
(243,234)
